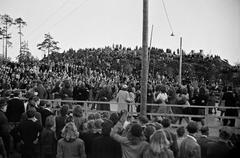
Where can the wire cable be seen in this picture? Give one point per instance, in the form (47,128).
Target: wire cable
(166,13)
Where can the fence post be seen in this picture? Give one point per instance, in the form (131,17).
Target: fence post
(206,116)
(85,109)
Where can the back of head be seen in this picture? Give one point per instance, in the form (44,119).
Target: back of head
(159,142)
(77,111)
(225,133)
(70,132)
(166,122)
(192,127)
(114,118)
(136,130)
(180,131)
(205,130)
(64,110)
(30,113)
(49,121)
(106,127)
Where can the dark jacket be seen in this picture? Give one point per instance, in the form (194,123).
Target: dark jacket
(15,109)
(218,149)
(190,148)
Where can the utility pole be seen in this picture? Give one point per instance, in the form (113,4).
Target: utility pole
(180,63)
(145,62)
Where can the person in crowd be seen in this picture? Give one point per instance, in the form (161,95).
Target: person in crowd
(203,140)
(29,131)
(48,139)
(88,137)
(189,147)
(40,89)
(15,108)
(158,146)
(230,101)
(180,135)
(148,131)
(78,117)
(104,145)
(201,100)
(222,147)
(133,144)
(70,146)
(171,136)
(32,106)
(122,98)
(4,125)
(60,120)
(45,109)
(3,153)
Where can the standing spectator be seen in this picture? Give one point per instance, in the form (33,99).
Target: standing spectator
(61,120)
(201,100)
(203,141)
(180,135)
(45,111)
(222,147)
(104,146)
(133,144)
(122,98)
(70,146)
(172,138)
(78,117)
(15,108)
(4,125)
(29,131)
(40,89)
(3,153)
(189,147)
(159,146)
(48,139)
(230,101)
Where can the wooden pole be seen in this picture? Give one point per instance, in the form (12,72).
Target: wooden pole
(145,62)
(180,63)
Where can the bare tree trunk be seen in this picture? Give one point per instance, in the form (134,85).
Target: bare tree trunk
(20,37)
(145,62)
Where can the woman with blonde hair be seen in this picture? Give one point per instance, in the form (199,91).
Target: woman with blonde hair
(70,146)
(159,146)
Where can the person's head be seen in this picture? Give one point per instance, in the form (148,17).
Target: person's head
(180,131)
(97,116)
(77,111)
(225,133)
(70,132)
(114,118)
(90,125)
(49,123)
(98,124)
(30,113)
(91,117)
(106,127)
(205,130)
(159,141)
(143,120)
(136,130)
(3,104)
(192,127)
(148,131)
(64,110)
(166,123)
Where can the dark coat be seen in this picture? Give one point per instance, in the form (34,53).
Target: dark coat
(106,147)
(203,142)
(60,123)
(15,109)
(48,143)
(218,149)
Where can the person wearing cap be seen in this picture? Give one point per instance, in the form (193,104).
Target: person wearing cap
(15,108)
(104,145)
(222,147)
(4,125)
(189,147)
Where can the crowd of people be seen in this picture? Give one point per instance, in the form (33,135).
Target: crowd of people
(39,132)
(34,126)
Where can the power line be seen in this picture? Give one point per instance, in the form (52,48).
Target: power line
(165,10)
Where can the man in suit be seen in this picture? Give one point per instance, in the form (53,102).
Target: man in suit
(189,147)
(203,140)
(15,108)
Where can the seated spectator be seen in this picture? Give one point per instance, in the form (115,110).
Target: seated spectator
(70,145)
(159,146)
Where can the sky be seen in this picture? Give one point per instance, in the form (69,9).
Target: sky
(211,25)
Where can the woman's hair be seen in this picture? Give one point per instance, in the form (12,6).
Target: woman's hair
(70,132)
(77,111)
(159,142)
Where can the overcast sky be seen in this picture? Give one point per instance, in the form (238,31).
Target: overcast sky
(211,25)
